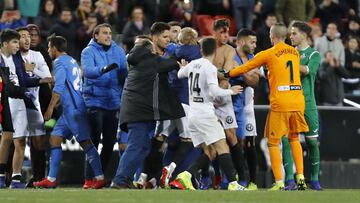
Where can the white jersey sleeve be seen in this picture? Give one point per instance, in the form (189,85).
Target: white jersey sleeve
(41,69)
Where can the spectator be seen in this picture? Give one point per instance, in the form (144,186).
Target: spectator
(264,7)
(67,29)
(316,31)
(181,11)
(263,39)
(329,11)
(211,7)
(104,66)
(331,87)
(85,31)
(11,19)
(331,42)
(83,10)
(354,26)
(136,26)
(104,13)
(290,10)
(48,17)
(352,62)
(243,11)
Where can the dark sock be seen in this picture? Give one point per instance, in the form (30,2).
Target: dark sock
(238,160)
(215,164)
(153,162)
(227,166)
(251,157)
(38,163)
(16,178)
(181,152)
(198,164)
(205,170)
(2,169)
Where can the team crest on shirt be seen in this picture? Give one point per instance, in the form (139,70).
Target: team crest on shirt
(229,120)
(302,56)
(249,127)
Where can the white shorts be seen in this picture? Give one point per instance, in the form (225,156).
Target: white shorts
(224,111)
(169,126)
(36,122)
(205,130)
(249,112)
(20,123)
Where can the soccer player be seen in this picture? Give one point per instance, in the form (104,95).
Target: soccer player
(309,65)
(73,120)
(286,115)
(36,67)
(246,44)
(224,60)
(205,130)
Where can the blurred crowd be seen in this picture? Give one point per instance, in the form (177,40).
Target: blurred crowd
(335,28)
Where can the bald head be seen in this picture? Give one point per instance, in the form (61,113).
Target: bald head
(278,32)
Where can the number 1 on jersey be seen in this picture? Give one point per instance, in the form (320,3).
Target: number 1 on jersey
(290,65)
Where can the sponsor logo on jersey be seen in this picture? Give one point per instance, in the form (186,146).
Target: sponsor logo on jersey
(302,56)
(229,120)
(249,127)
(198,99)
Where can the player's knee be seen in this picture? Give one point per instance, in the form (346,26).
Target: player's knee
(293,138)
(38,142)
(6,139)
(20,144)
(55,141)
(311,142)
(273,142)
(160,138)
(231,137)
(209,152)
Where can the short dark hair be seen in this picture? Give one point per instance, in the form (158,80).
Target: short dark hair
(22,29)
(245,33)
(7,35)
(144,37)
(66,9)
(271,15)
(97,28)
(208,46)
(174,23)
(58,42)
(159,27)
(221,23)
(302,27)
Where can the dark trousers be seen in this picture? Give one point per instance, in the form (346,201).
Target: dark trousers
(102,122)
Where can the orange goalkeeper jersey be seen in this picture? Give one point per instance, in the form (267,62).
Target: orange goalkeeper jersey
(283,64)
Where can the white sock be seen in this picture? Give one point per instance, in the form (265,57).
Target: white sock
(100,177)
(51,179)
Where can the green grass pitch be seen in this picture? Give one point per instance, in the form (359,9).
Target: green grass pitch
(67,195)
